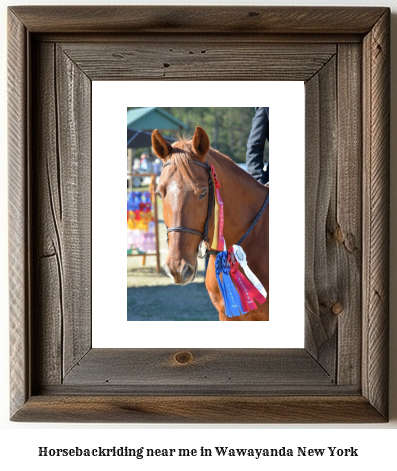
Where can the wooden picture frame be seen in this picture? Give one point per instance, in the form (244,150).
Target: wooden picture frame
(342,54)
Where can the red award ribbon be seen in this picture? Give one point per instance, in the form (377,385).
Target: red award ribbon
(246,289)
(242,260)
(221,240)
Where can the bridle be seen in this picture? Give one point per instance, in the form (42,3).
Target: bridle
(204,234)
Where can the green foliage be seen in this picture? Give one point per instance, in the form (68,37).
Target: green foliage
(227,128)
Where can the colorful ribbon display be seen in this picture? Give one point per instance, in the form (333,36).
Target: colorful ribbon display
(239,297)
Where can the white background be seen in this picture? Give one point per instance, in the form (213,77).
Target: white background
(109,305)
(20,441)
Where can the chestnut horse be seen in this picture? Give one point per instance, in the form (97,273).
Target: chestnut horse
(185,188)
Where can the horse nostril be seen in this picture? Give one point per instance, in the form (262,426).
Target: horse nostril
(187,272)
(180,275)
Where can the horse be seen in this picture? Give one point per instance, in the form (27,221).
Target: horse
(185,188)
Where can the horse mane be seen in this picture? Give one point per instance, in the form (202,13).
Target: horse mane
(182,154)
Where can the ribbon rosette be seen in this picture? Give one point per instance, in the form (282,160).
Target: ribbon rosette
(240,256)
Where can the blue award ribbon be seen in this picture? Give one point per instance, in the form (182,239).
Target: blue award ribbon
(234,302)
(218,272)
(230,295)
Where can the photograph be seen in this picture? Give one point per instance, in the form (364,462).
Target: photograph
(198,200)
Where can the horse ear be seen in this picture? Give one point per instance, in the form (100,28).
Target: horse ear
(200,143)
(161,147)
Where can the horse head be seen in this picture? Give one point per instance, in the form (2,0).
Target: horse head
(183,189)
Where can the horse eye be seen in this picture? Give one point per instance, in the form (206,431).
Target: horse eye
(158,194)
(203,194)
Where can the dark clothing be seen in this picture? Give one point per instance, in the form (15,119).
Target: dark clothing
(256,145)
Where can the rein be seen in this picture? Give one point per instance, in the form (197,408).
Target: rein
(204,234)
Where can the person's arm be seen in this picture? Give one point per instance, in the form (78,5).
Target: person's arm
(256,144)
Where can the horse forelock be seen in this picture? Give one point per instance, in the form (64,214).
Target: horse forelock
(182,155)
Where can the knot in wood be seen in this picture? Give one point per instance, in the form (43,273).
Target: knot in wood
(338,235)
(183,358)
(337,308)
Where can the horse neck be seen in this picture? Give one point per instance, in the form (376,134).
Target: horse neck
(241,194)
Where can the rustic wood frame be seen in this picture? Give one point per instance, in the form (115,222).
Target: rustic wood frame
(343,56)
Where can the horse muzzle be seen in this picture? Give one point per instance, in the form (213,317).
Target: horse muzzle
(181,275)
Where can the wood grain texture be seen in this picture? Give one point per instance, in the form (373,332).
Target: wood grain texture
(330,38)
(62,205)
(198,19)
(347,227)
(185,58)
(48,247)
(199,409)
(341,375)
(19,241)
(376,92)
(74,156)
(249,370)
(321,277)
